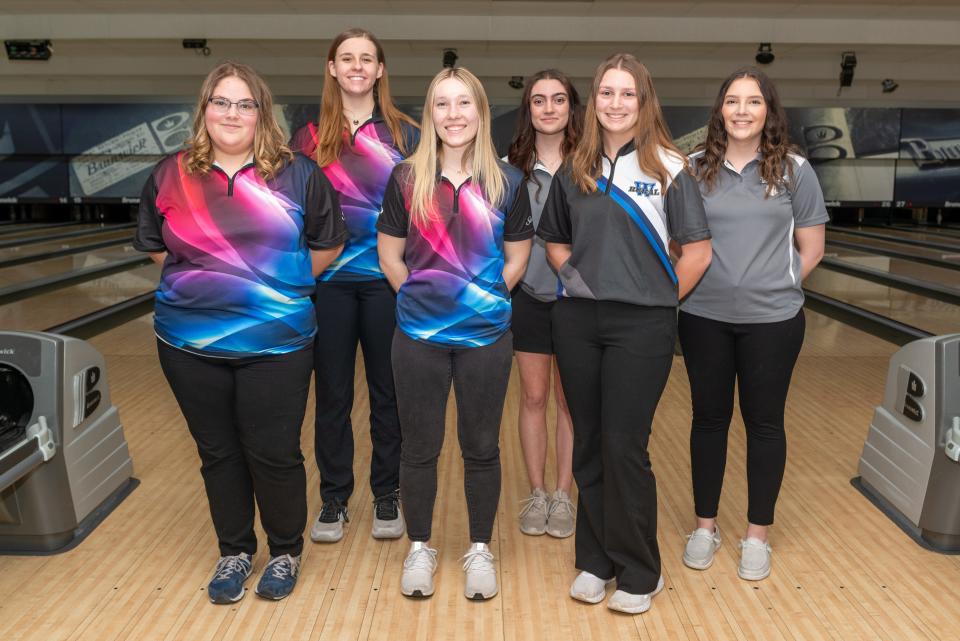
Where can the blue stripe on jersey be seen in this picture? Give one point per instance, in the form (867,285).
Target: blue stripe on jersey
(640,218)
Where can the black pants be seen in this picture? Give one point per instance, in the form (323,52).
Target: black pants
(759,357)
(245,415)
(614,360)
(347,313)
(479,376)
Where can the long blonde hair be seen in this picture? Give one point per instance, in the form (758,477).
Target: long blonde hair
(270,151)
(332,121)
(425,160)
(650,135)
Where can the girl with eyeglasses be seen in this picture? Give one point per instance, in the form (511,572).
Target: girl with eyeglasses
(744,322)
(241,226)
(609,218)
(454,238)
(548,127)
(359,138)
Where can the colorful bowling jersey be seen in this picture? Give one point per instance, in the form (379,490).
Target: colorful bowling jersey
(455,294)
(359,175)
(237,279)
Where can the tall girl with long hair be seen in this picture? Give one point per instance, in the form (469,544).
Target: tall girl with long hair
(242,227)
(608,221)
(454,240)
(744,323)
(548,127)
(359,138)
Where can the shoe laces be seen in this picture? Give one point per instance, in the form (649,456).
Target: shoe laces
(281,567)
(478,561)
(332,510)
(535,500)
(229,565)
(387,507)
(424,558)
(561,504)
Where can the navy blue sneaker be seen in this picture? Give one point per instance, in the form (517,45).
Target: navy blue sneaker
(229,575)
(279,577)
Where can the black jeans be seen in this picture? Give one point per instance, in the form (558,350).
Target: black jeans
(423,375)
(245,416)
(759,357)
(614,360)
(348,313)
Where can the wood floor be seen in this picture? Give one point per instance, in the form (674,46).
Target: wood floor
(842,571)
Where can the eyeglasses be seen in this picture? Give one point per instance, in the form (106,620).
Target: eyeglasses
(244,107)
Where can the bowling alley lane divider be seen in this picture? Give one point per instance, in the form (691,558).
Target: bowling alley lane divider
(37,286)
(863,319)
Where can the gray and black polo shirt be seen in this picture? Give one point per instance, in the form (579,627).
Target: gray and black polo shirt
(539,281)
(619,234)
(754,276)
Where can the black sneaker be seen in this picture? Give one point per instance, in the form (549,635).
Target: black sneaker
(387,518)
(328,528)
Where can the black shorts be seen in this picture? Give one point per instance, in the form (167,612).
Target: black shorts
(532,330)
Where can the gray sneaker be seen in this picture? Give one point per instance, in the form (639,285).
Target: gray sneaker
(754,559)
(589,588)
(387,517)
(533,515)
(328,528)
(561,515)
(701,546)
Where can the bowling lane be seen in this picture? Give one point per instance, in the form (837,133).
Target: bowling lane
(39,249)
(912,234)
(64,264)
(18,227)
(892,245)
(60,305)
(931,315)
(896,266)
(39,232)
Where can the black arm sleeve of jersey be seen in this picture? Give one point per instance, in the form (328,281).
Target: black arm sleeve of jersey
(149,235)
(519,222)
(686,219)
(555,224)
(323,219)
(394,218)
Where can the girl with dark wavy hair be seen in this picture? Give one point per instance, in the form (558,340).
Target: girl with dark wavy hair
(359,138)
(744,324)
(608,220)
(548,127)
(242,226)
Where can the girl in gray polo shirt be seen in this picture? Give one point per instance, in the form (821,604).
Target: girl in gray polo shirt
(744,321)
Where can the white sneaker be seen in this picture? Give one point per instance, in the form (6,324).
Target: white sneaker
(328,528)
(700,548)
(589,588)
(633,603)
(481,579)
(418,569)
(754,559)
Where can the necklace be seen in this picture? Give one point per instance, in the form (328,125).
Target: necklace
(356,121)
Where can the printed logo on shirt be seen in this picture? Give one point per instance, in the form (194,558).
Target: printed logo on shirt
(644,189)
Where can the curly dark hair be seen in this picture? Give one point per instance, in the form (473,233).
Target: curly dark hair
(774,139)
(523,151)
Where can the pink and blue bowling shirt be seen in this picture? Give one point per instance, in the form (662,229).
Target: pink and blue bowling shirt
(359,175)
(455,295)
(237,279)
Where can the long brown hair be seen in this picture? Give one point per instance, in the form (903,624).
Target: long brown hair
(523,149)
(332,121)
(774,139)
(651,136)
(270,151)
(425,160)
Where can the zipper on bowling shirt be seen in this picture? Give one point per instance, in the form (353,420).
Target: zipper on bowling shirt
(353,135)
(456,192)
(230,178)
